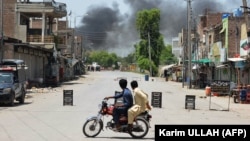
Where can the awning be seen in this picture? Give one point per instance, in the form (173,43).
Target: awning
(72,62)
(167,67)
(236,59)
(195,67)
(193,61)
(222,66)
(205,60)
(49,46)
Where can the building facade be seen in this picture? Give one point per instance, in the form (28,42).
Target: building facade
(34,33)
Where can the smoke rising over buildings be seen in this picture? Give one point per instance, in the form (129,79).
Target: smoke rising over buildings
(107,28)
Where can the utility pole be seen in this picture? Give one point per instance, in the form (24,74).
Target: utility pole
(189,44)
(245,12)
(149,55)
(2,35)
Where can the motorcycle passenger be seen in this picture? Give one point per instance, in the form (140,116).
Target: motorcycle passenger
(140,106)
(122,108)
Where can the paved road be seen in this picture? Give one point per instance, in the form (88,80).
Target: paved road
(44,118)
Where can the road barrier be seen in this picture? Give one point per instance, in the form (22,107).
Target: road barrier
(67,97)
(156,99)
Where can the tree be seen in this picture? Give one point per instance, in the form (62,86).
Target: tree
(167,57)
(128,60)
(148,25)
(103,58)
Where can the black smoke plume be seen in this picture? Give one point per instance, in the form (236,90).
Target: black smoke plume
(107,28)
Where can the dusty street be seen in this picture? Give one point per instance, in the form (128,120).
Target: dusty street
(44,118)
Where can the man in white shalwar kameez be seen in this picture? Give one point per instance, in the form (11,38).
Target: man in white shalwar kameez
(141,104)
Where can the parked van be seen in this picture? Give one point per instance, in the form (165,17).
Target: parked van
(13,81)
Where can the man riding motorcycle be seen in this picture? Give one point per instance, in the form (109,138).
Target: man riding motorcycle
(122,108)
(141,104)
(95,124)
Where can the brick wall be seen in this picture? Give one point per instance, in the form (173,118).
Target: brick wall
(233,40)
(8,51)
(36,24)
(9,18)
(62,25)
(213,19)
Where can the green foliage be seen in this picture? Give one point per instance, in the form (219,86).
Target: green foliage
(130,59)
(148,25)
(145,63)
(167,57)
(103,58)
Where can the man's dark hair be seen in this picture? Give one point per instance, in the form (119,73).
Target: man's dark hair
(123,83)
(134,84)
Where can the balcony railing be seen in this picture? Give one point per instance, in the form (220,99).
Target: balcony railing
(38,38)
(57,5)
(47,39)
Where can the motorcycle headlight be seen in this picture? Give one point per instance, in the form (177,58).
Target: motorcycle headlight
(7,90)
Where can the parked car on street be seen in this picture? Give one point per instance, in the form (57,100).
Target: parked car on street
(13,81)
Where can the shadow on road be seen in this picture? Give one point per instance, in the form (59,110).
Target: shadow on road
(15,105)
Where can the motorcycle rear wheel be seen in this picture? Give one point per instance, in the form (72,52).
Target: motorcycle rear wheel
(140,128)
(92,128)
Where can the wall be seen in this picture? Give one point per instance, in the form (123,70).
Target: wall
(234,42)
(9,21)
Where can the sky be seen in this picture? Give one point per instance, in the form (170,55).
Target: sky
(110,24)
(80,7)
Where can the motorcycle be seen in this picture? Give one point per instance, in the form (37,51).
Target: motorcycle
(94,125)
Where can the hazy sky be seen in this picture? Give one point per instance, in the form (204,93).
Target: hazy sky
(80,7)
(110,24)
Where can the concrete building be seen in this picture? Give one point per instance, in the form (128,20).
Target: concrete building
(177,49)
(218,38)
(34,33)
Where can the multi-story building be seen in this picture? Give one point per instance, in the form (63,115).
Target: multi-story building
(176,49)
(34,33)
(218,39)
(220,36)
